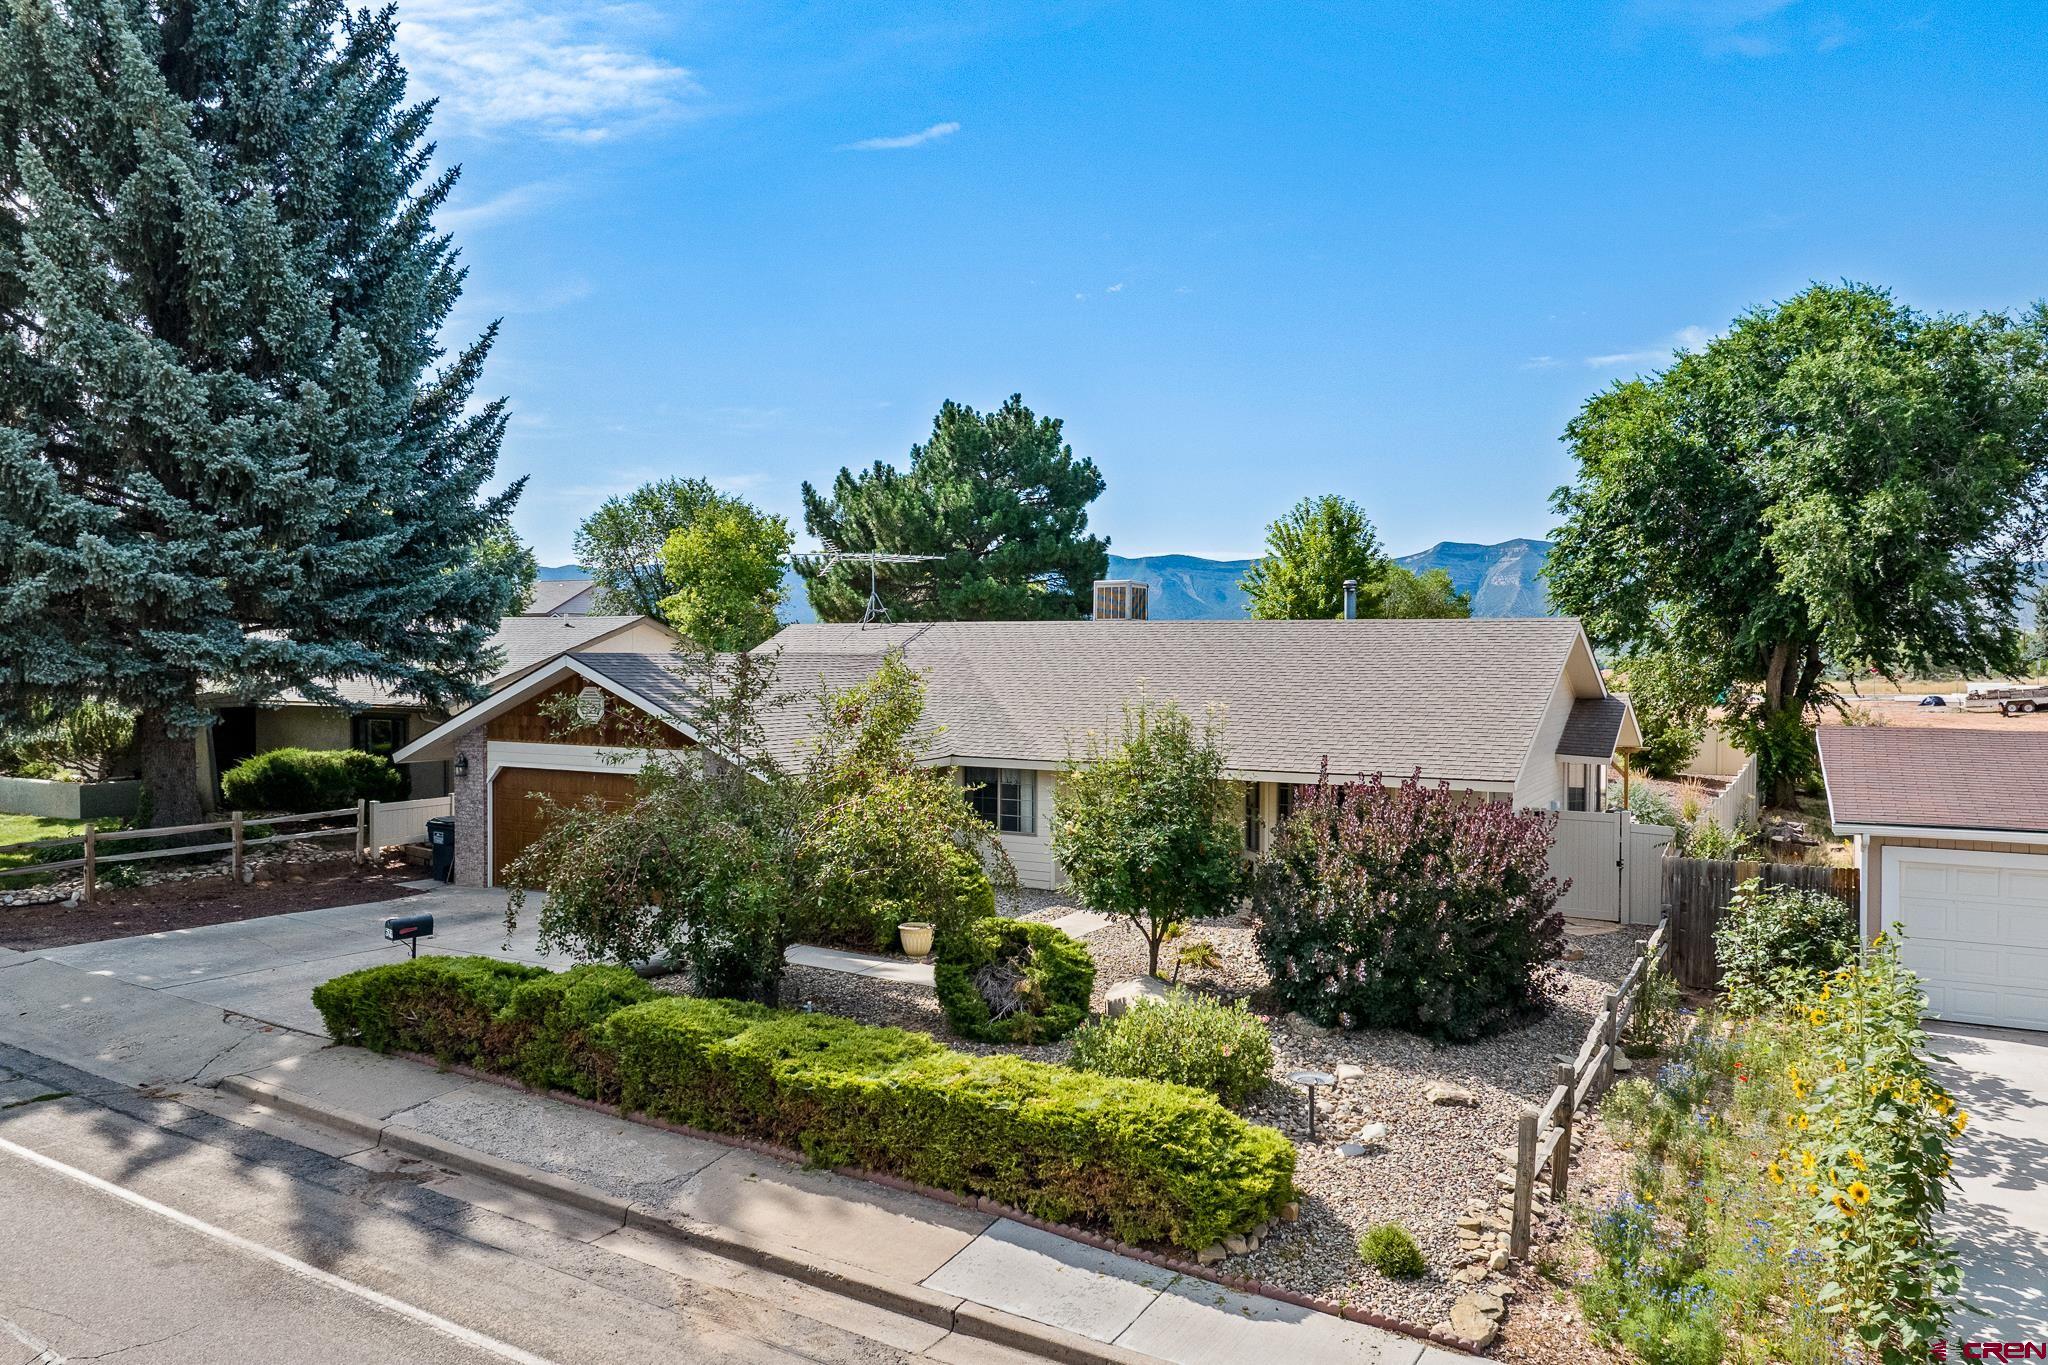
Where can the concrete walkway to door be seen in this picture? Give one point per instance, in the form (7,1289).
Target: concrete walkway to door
(1998,1217)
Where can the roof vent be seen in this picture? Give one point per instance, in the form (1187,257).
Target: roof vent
(1120,599)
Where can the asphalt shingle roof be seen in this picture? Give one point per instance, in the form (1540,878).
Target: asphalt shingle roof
(1593,728)
(1461,700)
(1936,779)
(525,641)
(550,593)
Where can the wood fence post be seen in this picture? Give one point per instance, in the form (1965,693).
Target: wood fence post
(1610,1036)
(362,827)
(236,825)
(87,891)
(1525,1185)
(1561,1165)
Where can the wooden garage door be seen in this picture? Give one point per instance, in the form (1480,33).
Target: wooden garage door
(519,816)
(1976,931)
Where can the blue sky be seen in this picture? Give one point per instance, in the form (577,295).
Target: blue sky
(1247,252)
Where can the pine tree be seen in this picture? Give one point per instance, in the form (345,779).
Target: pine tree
(233,457)
(1000,497)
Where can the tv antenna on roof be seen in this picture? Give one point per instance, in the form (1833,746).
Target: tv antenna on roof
(828,557)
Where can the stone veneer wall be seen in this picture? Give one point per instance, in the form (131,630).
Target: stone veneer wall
(472,811)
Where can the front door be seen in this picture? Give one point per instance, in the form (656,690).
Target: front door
(520,810)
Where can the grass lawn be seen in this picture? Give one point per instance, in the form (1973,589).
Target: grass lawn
(16,829)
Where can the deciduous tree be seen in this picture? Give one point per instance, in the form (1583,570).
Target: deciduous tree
(727,568)
(1840,481)
(233,454)
(1310,553)
(1000,497)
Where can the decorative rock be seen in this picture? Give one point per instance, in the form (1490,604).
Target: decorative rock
(1498,1261)
(1475,1222)
(1345,1071)
(1235,1244)
(1489,1304)
(1211,1254)
(1351,1149)
(1622,1065)
(1471,1324)
(1440,1093)
(1290,1212)
(1372,1135)
(1137,991)
(1572,955)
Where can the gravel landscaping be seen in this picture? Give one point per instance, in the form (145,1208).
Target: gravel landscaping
(1437,1163)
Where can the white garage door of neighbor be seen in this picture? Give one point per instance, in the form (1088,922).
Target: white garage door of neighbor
(1976,931)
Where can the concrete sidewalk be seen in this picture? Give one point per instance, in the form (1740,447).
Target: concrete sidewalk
(980,1275)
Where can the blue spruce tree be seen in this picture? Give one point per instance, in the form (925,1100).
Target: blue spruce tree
(234,457)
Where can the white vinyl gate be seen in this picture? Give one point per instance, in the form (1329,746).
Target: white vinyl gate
(1613,863)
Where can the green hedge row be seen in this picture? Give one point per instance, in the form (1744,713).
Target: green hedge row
(1149,1161)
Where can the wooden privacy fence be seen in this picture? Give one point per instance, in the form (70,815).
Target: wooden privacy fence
(237,843)
(1543,1137)
(1697,891)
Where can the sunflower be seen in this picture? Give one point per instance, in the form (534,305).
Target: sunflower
(1848,1209)
(1777,1175)
(1801,1122)
(1816,1016)
(1807,1162)
(1962,1121)
(1856,1160)
(1859,1193)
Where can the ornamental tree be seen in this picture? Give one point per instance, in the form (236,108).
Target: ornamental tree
(1321,543)
(1839,482)
(1146,826)
(1409,907)
(233,454)
(1000,497)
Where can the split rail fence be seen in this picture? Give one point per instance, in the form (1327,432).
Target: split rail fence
(371,824)
(1543,1137)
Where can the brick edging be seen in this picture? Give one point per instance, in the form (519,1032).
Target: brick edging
(979,1204)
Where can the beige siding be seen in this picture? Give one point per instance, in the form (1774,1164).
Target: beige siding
(645,636)
(301,727)
(1032,853)
(1872,870)
(1542,778)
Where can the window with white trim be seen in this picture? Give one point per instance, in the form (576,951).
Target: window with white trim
(1005,797)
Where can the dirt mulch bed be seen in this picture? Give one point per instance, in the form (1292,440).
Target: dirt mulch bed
(189,903)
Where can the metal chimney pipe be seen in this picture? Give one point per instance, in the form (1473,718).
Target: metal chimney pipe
(1351,599)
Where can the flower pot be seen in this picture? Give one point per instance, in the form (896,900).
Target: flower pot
(916,937)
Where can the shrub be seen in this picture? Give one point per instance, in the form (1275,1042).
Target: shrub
(1410,907)
(1013,981)
(1773,943)
(1151,1162)
(293,781)
(1389,1249)
(1186,1038)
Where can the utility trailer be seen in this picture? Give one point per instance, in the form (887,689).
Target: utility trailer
(2018,700)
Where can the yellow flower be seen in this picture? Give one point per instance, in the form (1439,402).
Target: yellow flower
(1812,1188)
(1843,1205)
(1826,992)
(1777,1175)
(1962,1121)
(1859,1193)
(1816,1016)
(1807,1162)
(1856,1160)
(1801,1122)
(1942,1104)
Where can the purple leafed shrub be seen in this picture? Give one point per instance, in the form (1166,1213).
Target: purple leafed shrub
(1410,907)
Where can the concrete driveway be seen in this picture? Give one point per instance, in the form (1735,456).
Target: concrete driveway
(1999,1216)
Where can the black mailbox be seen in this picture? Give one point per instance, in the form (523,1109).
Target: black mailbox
(409,929)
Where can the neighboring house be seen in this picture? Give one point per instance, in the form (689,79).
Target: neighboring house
(1511,710)
(562,597)
(378,721)
(1951,831)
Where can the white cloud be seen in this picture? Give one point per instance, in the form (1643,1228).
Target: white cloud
(898,143)
(468,216)
(1116,288)
(1684,339)
(576,72)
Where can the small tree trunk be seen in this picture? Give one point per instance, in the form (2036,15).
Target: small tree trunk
(1155,934)
(169,758)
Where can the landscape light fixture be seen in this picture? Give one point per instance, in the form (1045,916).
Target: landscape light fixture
(1310,1081)
(409,930)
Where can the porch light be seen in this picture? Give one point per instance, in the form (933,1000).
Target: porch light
(462,765)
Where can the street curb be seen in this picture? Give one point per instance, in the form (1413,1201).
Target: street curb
(848,1281)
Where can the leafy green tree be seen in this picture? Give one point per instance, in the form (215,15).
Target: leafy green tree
(887,838)
(621,544)
(1839,479)
(1001,497)
(1670,707)
(1310,552)
(727,565)
(232,453)
(1146,826)
(1403,594)
(503,554)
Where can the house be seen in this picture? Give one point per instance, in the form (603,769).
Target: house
(562,597)
(1951,835)
(375,719)
(1510,710)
